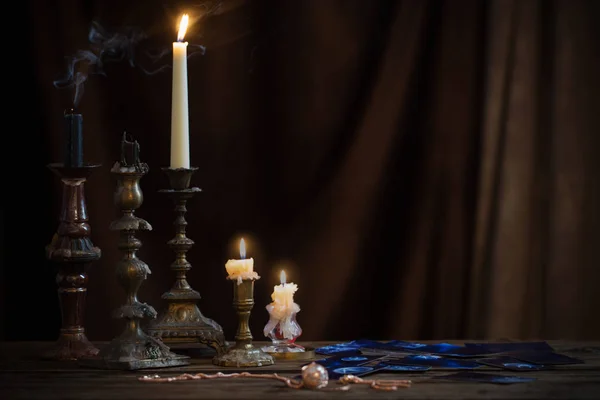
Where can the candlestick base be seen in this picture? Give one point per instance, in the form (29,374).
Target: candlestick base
(247,356)
(278,353)
(183,322)
(243,353)
(133,351)
(71,346)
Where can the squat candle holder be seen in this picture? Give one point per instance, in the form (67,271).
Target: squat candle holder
(243,353)
(72,249)
(182,320)
(133,349)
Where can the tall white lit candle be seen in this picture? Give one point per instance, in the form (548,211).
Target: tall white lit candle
(243,268)
(180,126)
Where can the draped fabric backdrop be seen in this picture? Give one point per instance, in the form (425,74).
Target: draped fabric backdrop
(421,169)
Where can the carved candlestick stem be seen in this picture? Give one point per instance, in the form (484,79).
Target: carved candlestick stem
(182,320)
(72,249)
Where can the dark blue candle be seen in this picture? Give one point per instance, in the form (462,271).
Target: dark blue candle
(73,139)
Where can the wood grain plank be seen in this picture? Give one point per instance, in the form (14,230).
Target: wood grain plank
(24,376)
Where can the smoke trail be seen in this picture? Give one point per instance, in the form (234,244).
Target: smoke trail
(106,48)
(124,46)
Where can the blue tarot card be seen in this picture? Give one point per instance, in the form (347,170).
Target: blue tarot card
(340,348)
(447,349)
(512,364)
(472,376)
(400,345)
(434,361)
(345,360)
(404,368)
(337,373)
(453,350)
(512,346)
(545,358)
(366,344)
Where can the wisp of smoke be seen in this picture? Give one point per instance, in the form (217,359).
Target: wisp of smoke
(105,48)
(111,48)
(108,47)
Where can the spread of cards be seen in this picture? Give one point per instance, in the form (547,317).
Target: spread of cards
(365,357)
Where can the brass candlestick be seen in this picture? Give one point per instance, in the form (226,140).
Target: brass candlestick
(243,353)
(182,320)
(72,249)
(133,349)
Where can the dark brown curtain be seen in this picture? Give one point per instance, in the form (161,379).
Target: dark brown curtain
(421,169)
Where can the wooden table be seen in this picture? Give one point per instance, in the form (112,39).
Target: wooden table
(24,376)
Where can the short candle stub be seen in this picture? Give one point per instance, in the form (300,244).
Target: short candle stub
(180,178)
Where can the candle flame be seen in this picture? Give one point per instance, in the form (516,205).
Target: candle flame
(183,24)
(242,248)
(282,277)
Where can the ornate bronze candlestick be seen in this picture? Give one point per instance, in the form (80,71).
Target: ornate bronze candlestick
(182,320)
(243,353)
(72,249)
(133,349)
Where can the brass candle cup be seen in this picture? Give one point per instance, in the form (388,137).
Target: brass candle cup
(243,353)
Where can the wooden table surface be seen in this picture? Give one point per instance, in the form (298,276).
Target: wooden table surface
(23,375)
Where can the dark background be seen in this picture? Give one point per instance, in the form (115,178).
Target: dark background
(421,169)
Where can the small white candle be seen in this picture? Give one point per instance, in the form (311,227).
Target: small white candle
(180,129)
(243,268)
(283,294)
(282,309)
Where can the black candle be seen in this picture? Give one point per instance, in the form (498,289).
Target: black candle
(73,139)
(130,152)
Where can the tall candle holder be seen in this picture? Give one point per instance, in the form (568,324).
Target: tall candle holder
(132,349)
(182,321)
(243,353)
(72,249)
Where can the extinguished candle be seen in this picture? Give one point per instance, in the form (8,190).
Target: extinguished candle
(243,268)
(73,139)
(180,129)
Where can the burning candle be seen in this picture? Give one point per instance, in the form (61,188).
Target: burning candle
(283,294)
(282,327)
(243,268)
(73,139)
(180,129)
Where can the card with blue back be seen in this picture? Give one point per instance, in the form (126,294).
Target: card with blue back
(512,364)
(447,349)
(345,360)
(359,370)
(387,367)
(435,361)
(545,358)
(472,376)
(453,350)
(401,345)
(340,348)
(511,346)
